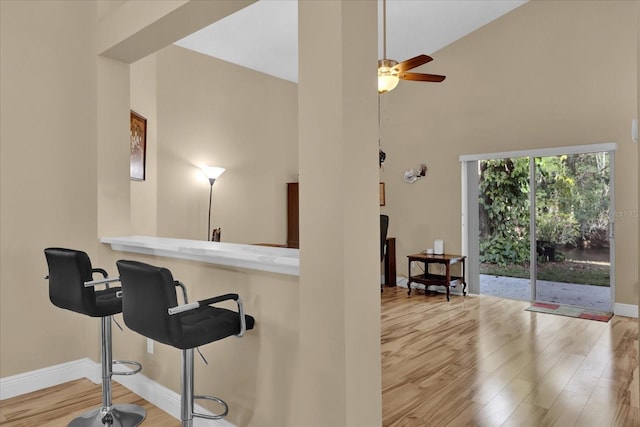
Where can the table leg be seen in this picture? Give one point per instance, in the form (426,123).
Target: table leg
(448,284)
(464,283)
(409,282)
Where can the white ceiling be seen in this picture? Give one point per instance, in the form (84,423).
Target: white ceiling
(264,35)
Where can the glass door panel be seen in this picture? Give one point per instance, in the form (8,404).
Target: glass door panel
(572,208)
(504,222)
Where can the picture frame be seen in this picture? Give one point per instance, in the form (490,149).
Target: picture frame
(382,195)
(138,147)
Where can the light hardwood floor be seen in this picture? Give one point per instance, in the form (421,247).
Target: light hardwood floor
(473,361)
(485,361)
(56,406)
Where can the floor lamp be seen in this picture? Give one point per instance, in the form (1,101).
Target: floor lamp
(212,173)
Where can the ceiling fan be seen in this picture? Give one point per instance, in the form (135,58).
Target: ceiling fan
(390,72)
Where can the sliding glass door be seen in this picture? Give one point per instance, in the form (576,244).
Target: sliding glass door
(537,225)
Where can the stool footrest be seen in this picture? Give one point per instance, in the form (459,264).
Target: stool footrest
(138,367)
(214,399)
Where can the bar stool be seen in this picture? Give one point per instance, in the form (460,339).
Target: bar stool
(71,286)
(150,307)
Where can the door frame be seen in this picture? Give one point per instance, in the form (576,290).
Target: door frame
(470,208)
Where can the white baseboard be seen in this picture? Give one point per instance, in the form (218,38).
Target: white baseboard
(401,281)
(628,310)
(28,382)
(154,393)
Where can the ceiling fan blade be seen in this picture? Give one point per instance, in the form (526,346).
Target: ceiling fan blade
(422,77)
(413,63)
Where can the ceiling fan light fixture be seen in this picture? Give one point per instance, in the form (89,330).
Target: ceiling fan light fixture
(388,75)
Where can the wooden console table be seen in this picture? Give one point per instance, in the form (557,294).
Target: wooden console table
(427,278)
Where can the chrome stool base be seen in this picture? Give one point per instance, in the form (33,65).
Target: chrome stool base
(109,414)
(119,415)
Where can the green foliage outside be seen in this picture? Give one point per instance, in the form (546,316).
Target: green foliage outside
(572,205)
(504,211)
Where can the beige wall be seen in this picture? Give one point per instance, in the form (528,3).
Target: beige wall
(47,174)
(216,113)
(547,74)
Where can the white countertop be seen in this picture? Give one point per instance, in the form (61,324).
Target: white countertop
(253,257)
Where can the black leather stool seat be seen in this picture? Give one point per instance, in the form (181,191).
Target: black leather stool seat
(208,324)
(148,293)
(108,302)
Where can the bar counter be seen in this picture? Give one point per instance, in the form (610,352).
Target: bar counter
(253,257)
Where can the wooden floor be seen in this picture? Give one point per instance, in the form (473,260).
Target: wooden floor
(473,361)
(57,406)
(485,361)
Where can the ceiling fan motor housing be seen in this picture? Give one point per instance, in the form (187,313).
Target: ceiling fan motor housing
(387,75)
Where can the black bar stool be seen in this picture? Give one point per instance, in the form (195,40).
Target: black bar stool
(150,307)
(71,286)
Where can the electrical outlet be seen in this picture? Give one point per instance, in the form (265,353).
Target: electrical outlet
(149,346)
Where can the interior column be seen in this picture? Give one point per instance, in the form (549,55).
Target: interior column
(340,377)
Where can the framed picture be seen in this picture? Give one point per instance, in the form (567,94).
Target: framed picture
(138,146)
(382,194)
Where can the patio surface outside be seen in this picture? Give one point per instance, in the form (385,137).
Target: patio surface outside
(587,296)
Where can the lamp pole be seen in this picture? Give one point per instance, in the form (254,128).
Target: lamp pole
(212,173)
(211,181)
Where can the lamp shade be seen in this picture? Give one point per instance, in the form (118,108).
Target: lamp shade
(387,75)
(212,172)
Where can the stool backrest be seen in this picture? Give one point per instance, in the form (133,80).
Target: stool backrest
(147,294)
(68,270)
